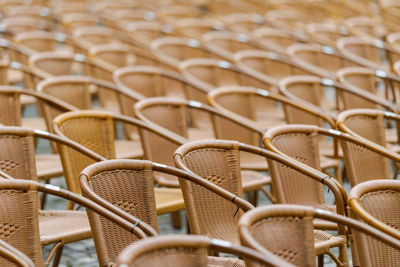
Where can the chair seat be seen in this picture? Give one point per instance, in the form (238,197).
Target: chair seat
(34,123)
(326,225)
(127,149)
(63,225)
(168,200)
(250,161)
(27,100)
(253,180)
(48,166)
(329,162)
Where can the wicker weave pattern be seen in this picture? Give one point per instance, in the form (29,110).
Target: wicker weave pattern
(221,167)
(17,156)
(135,198)
(95,133)
(19,226)
(291,186)
(290,238)
(11,107)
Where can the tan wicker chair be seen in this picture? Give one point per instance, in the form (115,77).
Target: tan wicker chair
(212,73)
(152,81)
(389,12)
(196,27)
(126,188)
(365,27)
(119,18)
(393,39)
(174,12)
(373,54)
(174,50)
(218,162)
(42,41)
(11,52)
(326,33)
(226,44)
(14,25)
(74,20)
(184,250)
(276,40)
(376,203)
(86,37)
(112,55)
(173,114)
(144,32)
(13,256)
(95,130)
(267,66)
(25,232)
(244,23)
(323,60)
(289,19)
(314,90)
(286,231)
(18,160)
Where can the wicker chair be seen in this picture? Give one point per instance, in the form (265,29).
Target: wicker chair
(244,23)
(356,122)
(42,41)
(286,231)
(393,39)
(312,90)
(365,27)
(95,130)
(15,25)
(86,37)
(112,55)
(289,19)
(212,73)
(267,66)
(11,256)
(73,21)
(325,33)
(174,50)
(18,160)
(218,162)
(119,18)
(196,27)
(173,114)
(184,250)
(172,13)
(275,39)
(377,203)
(373,54)
(389,12)
(21,226)
(126,188)
(144,32)
(323,60)
(152,81)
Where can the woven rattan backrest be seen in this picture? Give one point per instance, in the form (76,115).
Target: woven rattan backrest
(361,163)
(19,223)
(173,50)
(144,32)
(227,44)
(308,90)
(213,73)
(17,155)
(220,164)
(87,37)
(289,237)
(325,33)
(112,55)
(358,77)
(77,20)
(243,22)
(269,64)
(382,202)
(10,109)
(197,27)
(39,41)
(92,129)
(274,38)
(365,26)
(129,186)
(288,184)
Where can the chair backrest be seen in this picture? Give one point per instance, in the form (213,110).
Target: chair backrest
(75,20)
(218,162)
(325,33)
(244,23)
(40,41)
(288,19)
(365,27)
(87,37)
(20,226)
(112,55)
(370,53)
(190,250)
(196,27)
(212,73)
(287,231)
(128,185)
(173,50)
(376,203)
(15,25)
(271,66)
(323,60)
(226,44)
(275,39)
(144,32)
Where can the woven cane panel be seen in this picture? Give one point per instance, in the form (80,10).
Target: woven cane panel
(172,257)
(203,73)
(309,92)
(143,83)
(131,191)
(210,214)
(11,109)
(241,104)
(362,164)
(291,238)
(17,156)
(55,66)
(94,133)
(291,186)
(19,226)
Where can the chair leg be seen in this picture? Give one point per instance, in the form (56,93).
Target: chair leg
(252,196)
(321,260)
(43,199)
(54,250)
(176,219)
(57,257)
